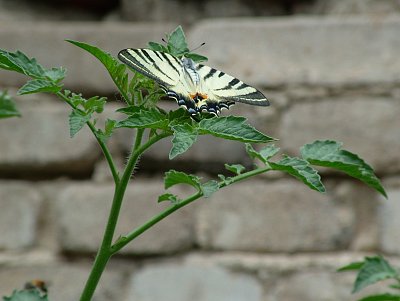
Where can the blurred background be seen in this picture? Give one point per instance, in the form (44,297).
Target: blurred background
(330,69)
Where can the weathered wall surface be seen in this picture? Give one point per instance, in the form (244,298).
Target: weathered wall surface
(327,77)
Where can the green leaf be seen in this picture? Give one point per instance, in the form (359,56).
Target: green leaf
(381,297)
(7,106)
(300,169)
(235,168)
(174,177)
(26,295)
(184,137)
(55,74)
(177,44)
(209,188)
(226,180)
(168,197)
(196,57)
(116,70)
(352,266)
(373,270)
(39,85)
(77,120)
(20,63)
(108,130)
(95,104)
(157,47)
(232,128)
(329,154)
(129,110)
(264,154)
(145,118)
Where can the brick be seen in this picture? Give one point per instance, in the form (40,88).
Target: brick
(305,50)
(82,210)
(65,281)
(355,7)
(45,41)
(354,121)
(20,206)
(181,282)
(40,140)
(389,213)
(277,216)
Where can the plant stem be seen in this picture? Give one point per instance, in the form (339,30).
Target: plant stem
(123,241)
(104,253)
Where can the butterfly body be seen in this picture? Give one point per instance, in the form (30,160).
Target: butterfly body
(194,86)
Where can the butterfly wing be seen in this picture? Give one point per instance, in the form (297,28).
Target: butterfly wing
(161,67)
(225,89)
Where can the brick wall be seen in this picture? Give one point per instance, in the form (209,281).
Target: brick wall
(271,238)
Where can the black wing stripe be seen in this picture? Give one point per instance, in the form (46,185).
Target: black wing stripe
(138,52)
(169,62)
(147,55)
(210,73)
(221,74)
(233,82)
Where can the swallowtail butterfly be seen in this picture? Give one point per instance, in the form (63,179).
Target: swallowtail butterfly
(194,86)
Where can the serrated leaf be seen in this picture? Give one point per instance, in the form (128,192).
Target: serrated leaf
(174,177)
(329,154)
(116,70)
(168,197)
(7,106)
(76,122)
(20,63)
(37,86)
(209,188)
(381,297)
(264,154)
(55,74)
(373,270)
(225,180)
(235,168)
(352,266)
(26,295)
(300,169)
(177,44)
(108,130)
(196,57)
(157,47)
(184,137)
(95,104)
(232,128)
(129,110)
(145,118)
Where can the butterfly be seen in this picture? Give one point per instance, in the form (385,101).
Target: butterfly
(194,86)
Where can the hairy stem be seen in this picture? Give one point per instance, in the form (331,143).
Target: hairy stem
(105,251)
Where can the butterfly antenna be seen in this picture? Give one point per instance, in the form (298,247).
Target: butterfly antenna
(164,41)
(201,45)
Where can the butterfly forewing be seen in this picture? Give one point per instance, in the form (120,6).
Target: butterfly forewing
(159,66)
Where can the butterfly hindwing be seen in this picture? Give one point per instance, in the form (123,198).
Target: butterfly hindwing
(224,87)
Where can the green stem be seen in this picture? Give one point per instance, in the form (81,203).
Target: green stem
(103,146)
(123,241)
(105,251)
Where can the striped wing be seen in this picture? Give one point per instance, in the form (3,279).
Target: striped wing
(161,67)
(222,87)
